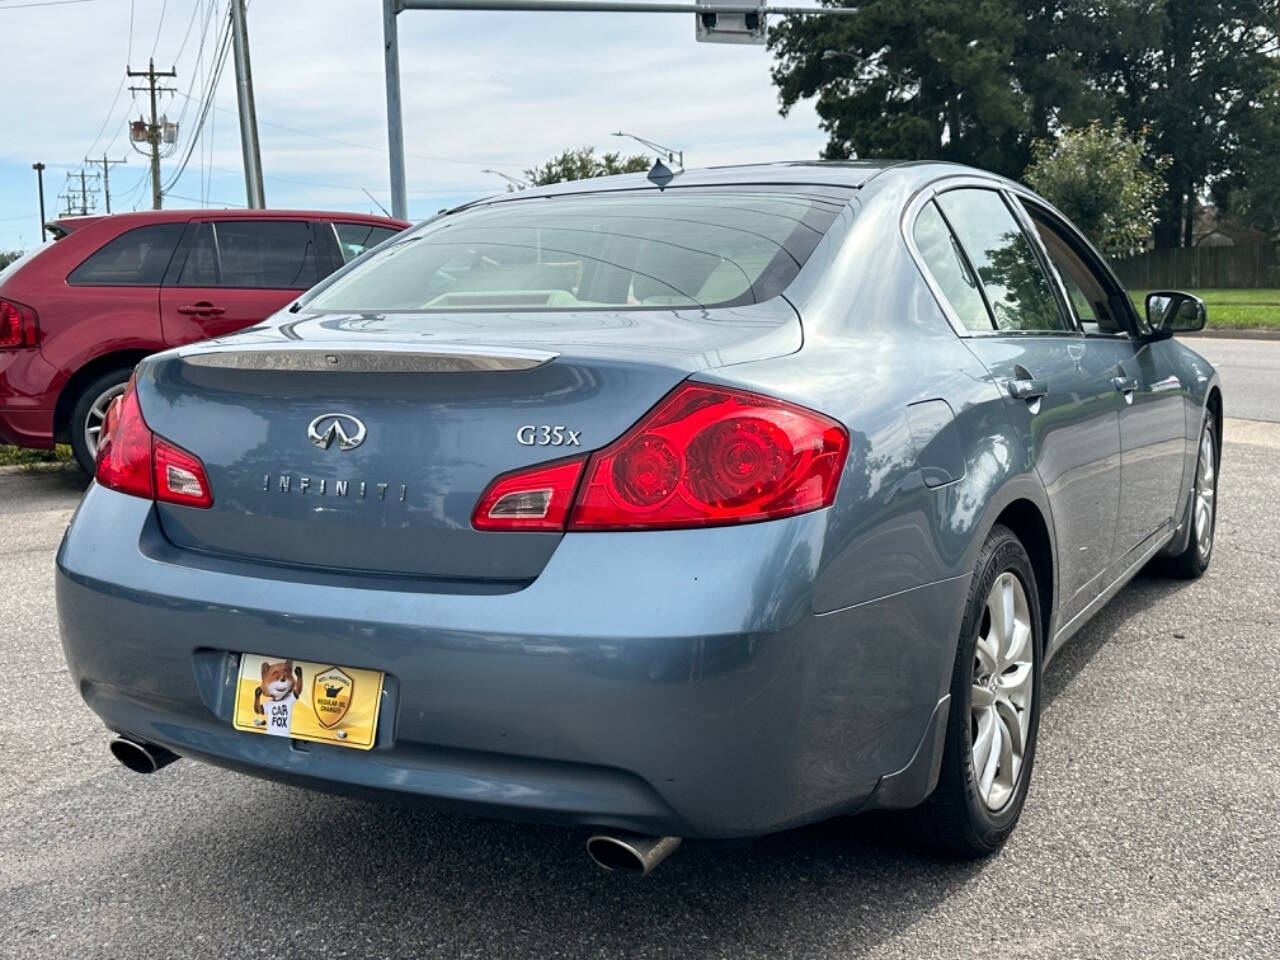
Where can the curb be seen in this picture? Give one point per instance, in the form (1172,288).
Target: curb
(1230,334)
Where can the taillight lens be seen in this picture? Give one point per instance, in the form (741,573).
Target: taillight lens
(133,460)
(537,498)
(705,456)
(18,326)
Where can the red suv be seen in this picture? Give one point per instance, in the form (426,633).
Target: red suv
(78,314)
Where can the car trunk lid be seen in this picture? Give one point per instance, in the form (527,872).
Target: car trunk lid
(363,442)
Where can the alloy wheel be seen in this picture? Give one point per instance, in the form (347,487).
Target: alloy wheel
(97,414)
(1206,480)
(1003,685)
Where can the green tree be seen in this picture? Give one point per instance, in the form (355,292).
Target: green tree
(981,81)
(1251,192)
(582,164)
(1100,178)
(8,256)
(972,81)
(1195,75)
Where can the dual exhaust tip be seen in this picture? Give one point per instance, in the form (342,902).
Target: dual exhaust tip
(628,853)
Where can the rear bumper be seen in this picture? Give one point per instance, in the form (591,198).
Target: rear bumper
(673,682)
(27,399)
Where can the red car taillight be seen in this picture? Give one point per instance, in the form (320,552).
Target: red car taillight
(705,456)
(133,460)
(18,325)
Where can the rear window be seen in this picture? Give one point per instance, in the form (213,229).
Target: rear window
(676,248)
(137,257)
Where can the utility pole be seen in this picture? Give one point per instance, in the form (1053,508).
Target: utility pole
(248,116)
(106,177)
(77,198)
(39,169)
(395,117)
(154,133)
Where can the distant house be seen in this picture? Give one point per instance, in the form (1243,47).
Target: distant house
(1213,230)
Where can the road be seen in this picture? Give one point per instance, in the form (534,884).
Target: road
(1152,829)
(1250,371)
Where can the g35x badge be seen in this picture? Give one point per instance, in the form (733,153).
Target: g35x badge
(545,435)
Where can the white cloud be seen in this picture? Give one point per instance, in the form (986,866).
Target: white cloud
(479,89)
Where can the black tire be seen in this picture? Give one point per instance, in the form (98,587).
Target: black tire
(960,821)
(1192,562)
(80,412)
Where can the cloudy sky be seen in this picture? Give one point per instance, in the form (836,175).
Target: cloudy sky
(500,90)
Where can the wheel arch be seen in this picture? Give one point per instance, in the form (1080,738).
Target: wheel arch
(1029,525)
(71,389)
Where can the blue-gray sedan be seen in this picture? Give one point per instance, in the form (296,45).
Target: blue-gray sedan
(700,508)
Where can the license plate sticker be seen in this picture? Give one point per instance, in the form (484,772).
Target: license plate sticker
(322,702)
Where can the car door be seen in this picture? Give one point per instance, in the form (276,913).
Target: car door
(230,274)
(1056,388)
(1153,416)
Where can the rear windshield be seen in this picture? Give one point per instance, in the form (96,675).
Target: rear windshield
(677,248)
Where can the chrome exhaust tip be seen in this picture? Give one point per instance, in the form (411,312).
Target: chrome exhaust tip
(140,756)
(631,853)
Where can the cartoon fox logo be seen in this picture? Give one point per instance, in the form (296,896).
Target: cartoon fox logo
(279,682)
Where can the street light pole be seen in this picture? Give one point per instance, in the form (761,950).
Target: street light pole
(395,116)
(39,169)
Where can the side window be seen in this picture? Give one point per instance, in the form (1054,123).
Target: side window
(135,258)
(1016,285)
(1090,292)
(355,238)
(265,254)
(201,266)
(943,257)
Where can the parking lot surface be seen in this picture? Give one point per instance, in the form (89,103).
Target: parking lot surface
(1152,829)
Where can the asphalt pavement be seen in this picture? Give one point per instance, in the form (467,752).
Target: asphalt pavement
(1250,371)
(1152,828)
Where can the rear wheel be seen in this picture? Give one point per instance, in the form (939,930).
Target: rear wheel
(1202,512)
(995,705)
(89,412)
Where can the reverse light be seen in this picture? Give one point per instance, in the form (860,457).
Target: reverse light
(18,325)
(704,456)
(536,498)
(133,460)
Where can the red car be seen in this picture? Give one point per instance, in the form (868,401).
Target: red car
(78,314)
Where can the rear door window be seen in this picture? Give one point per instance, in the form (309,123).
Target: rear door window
(355,238)
(941,253)
(251,254)
(1015,283)
(687,247)
(136,258)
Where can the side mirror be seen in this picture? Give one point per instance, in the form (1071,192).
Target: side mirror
(1172,311)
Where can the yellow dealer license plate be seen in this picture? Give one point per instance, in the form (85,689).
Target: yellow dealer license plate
(308,701)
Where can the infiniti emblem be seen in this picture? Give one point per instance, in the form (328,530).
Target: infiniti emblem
(348,430)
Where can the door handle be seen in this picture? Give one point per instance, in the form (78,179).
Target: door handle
(1027,389)
(1125,384)
(201,309)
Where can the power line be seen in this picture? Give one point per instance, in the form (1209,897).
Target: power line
(224,45)
(44,3)
(159,26)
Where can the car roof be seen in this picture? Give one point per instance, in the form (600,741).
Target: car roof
(181,216)
(848,174)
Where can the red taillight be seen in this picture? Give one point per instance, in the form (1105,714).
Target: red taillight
(705,456)
(133,460)
(537,498)
(18,326)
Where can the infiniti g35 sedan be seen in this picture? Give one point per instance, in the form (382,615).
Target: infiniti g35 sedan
(700,508)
